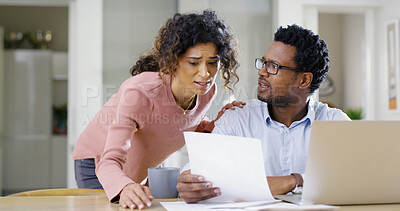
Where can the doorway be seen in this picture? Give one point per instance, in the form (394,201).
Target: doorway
(35,86)
(344,86)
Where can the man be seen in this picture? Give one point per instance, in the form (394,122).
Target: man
(293,67)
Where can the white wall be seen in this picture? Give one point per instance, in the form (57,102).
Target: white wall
(185,6)
(129,30)
(85,71)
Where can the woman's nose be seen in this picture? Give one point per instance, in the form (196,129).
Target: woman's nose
(203,71)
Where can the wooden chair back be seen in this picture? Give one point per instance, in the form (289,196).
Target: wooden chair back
(59,192)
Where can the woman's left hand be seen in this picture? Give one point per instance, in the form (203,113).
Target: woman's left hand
(232,106)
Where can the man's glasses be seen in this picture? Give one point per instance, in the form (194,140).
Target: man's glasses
(272,67)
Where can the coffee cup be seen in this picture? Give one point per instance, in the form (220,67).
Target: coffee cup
(162,182)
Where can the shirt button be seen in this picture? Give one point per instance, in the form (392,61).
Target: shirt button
(285,159)
(287,130)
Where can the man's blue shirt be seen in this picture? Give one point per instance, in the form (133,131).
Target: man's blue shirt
(285,148)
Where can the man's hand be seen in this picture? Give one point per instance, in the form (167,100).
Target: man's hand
(192,188)
(135,196)
(281,185)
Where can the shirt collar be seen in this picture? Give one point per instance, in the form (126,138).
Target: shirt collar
(310,113)
(267,117)
(311,109)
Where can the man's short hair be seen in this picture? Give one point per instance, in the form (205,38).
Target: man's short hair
(312,52)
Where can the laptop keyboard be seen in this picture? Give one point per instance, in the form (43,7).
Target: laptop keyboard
(292,198)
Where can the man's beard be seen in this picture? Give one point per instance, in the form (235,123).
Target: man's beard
(278,101)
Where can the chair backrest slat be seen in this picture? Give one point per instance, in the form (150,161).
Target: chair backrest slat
(59,192)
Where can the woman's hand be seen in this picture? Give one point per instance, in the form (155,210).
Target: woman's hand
(231,105)
(135,196)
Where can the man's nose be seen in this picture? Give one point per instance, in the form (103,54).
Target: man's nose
(263,72)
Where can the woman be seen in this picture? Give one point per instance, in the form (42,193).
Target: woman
(170,92)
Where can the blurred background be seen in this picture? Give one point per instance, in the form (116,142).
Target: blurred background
(61,60)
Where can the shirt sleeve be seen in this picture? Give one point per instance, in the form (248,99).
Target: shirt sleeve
(339,115)
(131,112)
(227,124)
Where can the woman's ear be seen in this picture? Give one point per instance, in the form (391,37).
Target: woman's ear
(305,80)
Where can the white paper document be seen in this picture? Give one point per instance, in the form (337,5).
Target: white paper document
(238,205)
(218,206)
(181,205)
(234,164)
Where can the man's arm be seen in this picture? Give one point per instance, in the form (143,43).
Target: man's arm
(281,184)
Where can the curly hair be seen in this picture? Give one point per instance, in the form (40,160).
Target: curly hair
(184,31)
(312,52)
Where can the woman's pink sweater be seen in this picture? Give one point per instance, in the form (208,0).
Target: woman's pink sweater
(138,128)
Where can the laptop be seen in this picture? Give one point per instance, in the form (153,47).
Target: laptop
(352,162)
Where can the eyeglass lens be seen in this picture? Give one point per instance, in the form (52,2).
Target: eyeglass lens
(272,68)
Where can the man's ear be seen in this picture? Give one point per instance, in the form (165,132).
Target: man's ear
(305,80)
